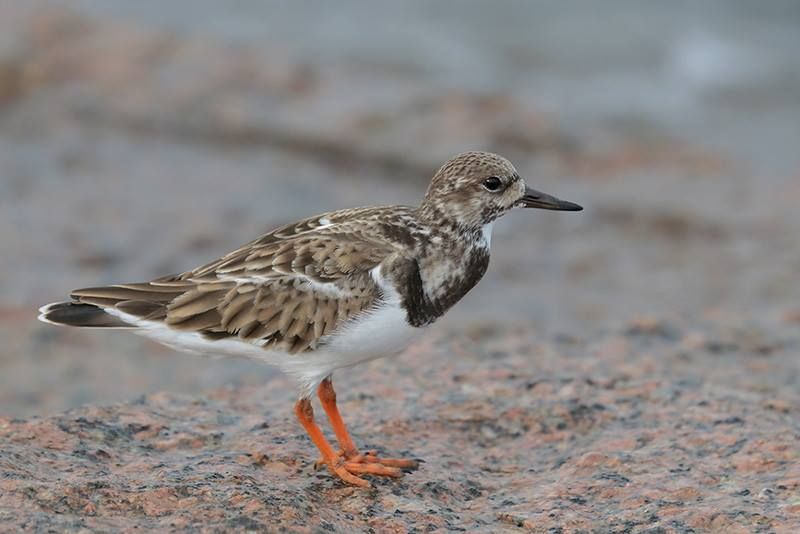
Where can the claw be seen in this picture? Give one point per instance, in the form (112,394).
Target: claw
(372,457)
(364,464)
(373,469)
(344,472)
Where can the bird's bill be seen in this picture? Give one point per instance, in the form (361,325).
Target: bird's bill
(537,199)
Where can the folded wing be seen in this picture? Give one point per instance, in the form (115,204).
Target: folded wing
(286,290)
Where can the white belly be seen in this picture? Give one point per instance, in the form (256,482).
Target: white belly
(382,332)
(373,334)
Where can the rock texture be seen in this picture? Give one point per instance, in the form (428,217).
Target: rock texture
(652,427)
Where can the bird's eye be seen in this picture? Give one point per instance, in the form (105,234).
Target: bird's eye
(492,184)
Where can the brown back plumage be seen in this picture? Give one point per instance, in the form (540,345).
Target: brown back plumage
(285,290)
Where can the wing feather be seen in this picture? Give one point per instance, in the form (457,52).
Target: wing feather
(286,290)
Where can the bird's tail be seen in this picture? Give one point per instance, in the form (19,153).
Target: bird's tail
(79,314)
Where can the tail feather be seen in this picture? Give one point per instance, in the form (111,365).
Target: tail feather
(79,314)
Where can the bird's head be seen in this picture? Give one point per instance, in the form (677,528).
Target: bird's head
(475,188)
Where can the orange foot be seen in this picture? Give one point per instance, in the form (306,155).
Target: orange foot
(371,457)
(348,470)
(348,463)
(367,463)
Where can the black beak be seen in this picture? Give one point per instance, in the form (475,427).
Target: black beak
(536,199)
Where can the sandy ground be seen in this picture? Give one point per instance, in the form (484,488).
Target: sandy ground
(138,139)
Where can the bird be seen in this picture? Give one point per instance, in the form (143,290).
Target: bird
(327,292)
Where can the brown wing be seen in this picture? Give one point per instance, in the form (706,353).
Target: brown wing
(285,290)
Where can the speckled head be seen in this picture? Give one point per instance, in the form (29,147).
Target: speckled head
(475,188)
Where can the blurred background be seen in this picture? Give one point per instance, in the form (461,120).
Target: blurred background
(143,138)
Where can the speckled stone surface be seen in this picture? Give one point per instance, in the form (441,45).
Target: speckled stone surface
(651,427)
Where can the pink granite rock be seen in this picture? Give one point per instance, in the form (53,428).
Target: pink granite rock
(629,431)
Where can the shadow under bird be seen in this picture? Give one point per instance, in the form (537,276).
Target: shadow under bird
(327,292)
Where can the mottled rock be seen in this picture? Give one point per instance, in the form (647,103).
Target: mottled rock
(516,433)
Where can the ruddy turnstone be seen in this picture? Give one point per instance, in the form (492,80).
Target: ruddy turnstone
(327,292)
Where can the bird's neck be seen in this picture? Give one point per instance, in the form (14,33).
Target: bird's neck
(431,215)
(446,266)
(448,216)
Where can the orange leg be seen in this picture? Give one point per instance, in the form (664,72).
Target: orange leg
(327,397)
(341,467)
